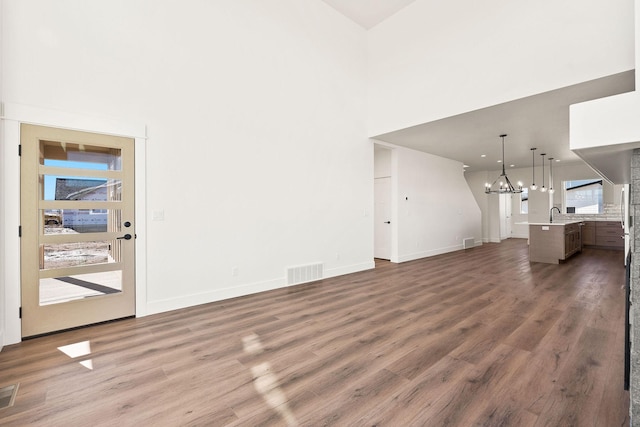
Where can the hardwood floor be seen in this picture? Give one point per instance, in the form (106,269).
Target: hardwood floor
(473,338)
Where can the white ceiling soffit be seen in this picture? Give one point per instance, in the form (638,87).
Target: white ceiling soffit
(612,162)
(540,121)
(368,13)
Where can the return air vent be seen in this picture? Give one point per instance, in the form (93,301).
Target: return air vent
(468,243)
(304,273)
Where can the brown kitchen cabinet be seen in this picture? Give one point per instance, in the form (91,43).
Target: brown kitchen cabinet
(609,234)
(573,239)
(589,233)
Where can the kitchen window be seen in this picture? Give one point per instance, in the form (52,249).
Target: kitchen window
(524,201)
(583,196)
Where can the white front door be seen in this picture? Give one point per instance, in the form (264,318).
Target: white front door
(382,218)
(78,231)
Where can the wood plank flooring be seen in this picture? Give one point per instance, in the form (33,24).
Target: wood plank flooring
(473,338)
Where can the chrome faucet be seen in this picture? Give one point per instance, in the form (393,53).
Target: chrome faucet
(551,213)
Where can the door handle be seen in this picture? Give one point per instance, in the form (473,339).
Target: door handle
(387,222)
(125,237)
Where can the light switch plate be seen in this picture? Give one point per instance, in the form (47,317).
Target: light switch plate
(157,215)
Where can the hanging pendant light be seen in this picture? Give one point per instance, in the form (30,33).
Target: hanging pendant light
(533,185)
(543,188)
(505,185)
(551,190)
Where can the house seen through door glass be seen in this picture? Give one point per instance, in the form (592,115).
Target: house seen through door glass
(64,186)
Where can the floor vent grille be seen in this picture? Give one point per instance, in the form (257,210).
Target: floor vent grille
(304,273)
(468,243)
(8,395)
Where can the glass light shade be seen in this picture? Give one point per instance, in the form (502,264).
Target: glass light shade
(551,191)
(543,189)
(533,187)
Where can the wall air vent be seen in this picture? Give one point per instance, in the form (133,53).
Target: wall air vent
(304,273)
(469,242)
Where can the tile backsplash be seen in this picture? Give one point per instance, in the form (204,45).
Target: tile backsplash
(611,212)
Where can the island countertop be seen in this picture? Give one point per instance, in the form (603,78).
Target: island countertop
(559,222)
(562,221)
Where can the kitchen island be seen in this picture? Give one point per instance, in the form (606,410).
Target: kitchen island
(553,242)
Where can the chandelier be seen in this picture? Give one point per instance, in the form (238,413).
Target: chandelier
(503,183)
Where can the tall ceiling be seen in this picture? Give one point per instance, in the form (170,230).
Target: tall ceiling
(368,13)
(540,121)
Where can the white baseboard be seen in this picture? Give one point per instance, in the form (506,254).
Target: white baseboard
(184,301)
(354,268)
(429,253)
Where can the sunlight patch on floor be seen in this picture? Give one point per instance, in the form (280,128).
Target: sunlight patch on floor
(79,349)
(266,382)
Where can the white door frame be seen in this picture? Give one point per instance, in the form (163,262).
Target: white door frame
(12,116)
(379,227)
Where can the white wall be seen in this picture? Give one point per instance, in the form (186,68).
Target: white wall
(462,55)
(476,182)
(605,122)
(3,206)
(434,208)
(382,162)
(255,113)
